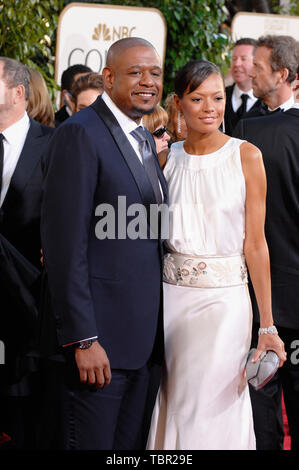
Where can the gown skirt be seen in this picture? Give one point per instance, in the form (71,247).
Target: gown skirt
(203,402)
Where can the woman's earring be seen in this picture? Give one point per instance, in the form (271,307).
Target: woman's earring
(179,123)
(223,127)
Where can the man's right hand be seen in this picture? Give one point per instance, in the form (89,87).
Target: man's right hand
(93,365)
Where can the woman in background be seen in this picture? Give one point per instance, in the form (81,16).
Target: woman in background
(156,123)
(176,123)
(39,105)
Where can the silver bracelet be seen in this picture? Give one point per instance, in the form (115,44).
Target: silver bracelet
(271,330)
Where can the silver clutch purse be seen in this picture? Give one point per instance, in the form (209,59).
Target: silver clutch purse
(258,374)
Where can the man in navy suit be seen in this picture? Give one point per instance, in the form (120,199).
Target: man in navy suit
(106,290)
(23,144)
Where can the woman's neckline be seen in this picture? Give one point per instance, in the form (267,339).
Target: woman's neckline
(206,154)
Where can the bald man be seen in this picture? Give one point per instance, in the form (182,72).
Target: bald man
(104,275)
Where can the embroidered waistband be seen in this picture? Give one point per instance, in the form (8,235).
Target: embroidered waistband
(200,271)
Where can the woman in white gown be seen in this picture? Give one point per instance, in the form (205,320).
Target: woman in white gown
(217,193)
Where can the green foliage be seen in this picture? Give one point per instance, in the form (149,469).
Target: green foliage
(294,8)
(291,9)
(27,33)
(193,32)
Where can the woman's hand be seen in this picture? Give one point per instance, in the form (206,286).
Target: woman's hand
(270,342)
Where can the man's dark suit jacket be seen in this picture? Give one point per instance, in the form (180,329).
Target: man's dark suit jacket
(20,211)
(108,288)
(230,117)
(277,137)
(20,225)
(61,115)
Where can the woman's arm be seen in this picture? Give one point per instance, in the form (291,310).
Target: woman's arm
(255,245)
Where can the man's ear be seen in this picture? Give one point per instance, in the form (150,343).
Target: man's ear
(284,73)
(108,77)
(19,94)
(62,93)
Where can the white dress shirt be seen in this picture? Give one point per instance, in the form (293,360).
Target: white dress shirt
(237,101)
(13,143)
(286,105)
(126,124)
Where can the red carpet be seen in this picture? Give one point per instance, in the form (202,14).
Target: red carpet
(4,440)
(287,437)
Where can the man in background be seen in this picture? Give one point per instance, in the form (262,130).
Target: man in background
(68,78)
(276,135)
(239,96)
(23,144)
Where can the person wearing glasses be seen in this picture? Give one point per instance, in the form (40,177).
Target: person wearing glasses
(156,124)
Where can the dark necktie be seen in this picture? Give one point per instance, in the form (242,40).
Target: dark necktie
(242,109)
(1,159)
(148,160)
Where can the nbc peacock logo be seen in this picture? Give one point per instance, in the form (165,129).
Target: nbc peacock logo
(101,30)
(103,33)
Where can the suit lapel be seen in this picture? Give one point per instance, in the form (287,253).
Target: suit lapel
(257,104)
(28,160)
(126,150)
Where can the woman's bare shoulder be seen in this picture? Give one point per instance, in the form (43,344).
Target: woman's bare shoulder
(249,152)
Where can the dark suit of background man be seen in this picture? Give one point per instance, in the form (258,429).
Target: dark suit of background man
(106,291)
(68,78)
(22,147)
(275,65)
(239,96)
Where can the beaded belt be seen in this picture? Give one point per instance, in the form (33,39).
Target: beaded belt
(198,271)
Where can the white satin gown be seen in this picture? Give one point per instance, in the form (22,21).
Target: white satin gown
(203,402)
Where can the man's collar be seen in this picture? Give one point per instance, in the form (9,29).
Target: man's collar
(286,105)
(17,129)
(126,123)
(238,92)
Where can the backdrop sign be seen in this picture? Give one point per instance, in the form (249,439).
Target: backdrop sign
(254,25)
(87,30)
